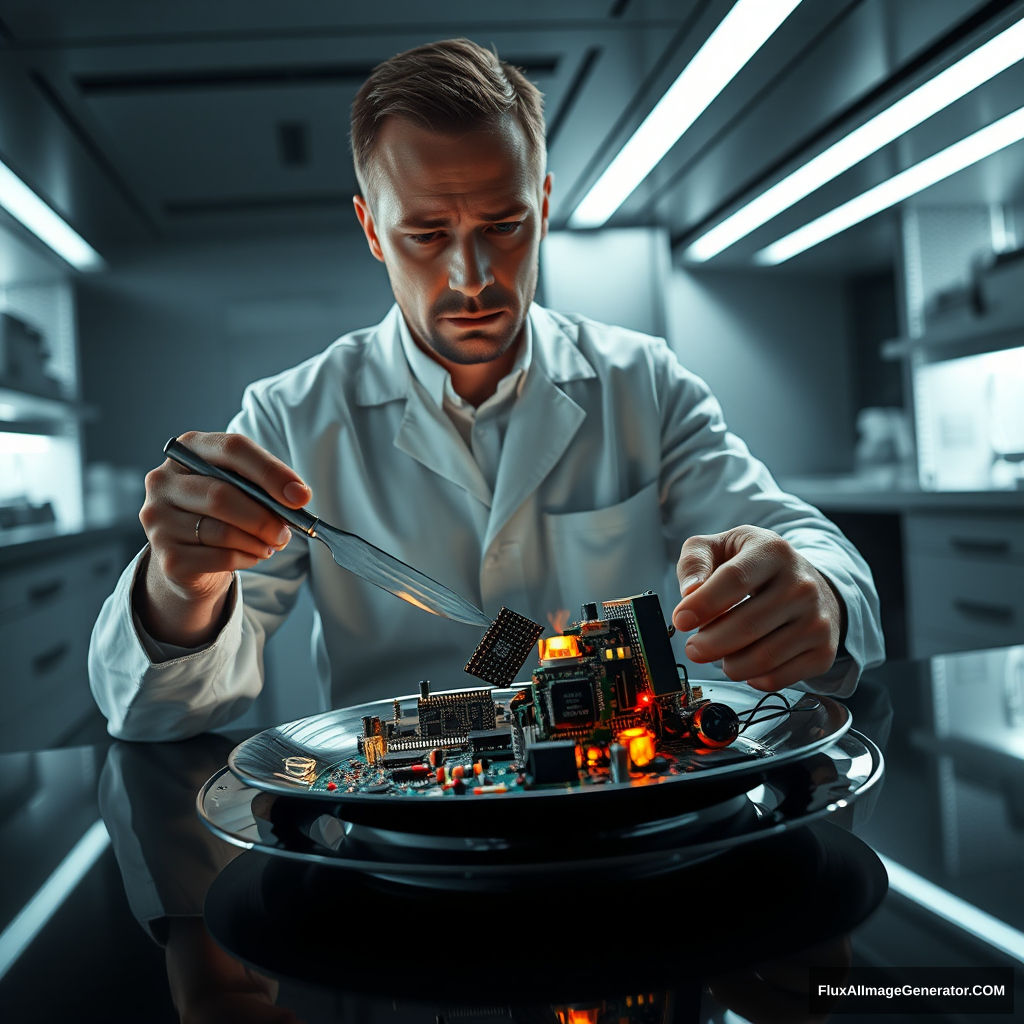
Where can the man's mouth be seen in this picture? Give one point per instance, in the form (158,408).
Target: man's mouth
(483,319)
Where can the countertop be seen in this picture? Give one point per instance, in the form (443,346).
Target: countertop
(108,834)
(30,543)
(849,493)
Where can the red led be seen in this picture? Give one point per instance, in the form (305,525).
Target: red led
(331,786)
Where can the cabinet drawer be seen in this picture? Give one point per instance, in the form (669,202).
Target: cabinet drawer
(40,585)
(989,537)
(39,649)
(967,598)
(59,705)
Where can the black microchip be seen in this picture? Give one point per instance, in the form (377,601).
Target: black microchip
(572,703)
(504,649)
(401,758)
(553,761)
(484,741)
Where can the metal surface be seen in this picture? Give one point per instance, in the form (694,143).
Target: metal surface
(288,758)
(349,551)
(840,780)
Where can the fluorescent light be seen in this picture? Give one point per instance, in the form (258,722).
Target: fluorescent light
(955,910)
(987,61)
(32,918)
(998,135)
(24,205)
(740,34)
(23,444)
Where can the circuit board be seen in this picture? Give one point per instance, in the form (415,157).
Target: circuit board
(606,704)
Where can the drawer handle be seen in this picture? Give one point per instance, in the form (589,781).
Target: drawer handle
(50,659)
(1001,613)
(980,545)
(44,591)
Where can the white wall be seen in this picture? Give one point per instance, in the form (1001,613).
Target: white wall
(615,276)
(775,351)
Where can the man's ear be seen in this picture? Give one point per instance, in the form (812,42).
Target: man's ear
(545,204)
(366,222)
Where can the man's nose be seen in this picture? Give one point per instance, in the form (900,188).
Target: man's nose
(469,270)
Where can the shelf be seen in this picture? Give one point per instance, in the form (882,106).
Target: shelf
(968,337)
(20,410)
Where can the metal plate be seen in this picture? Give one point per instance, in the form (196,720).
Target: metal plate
(289,758)
(840,780)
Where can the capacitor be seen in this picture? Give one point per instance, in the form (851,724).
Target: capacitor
(367,725)
(439,775)
(458,772)
(618,755)
(436,757)
(424,687)
(715,725)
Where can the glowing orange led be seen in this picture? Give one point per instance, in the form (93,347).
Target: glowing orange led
(555,648)
(640,742)
(594,753)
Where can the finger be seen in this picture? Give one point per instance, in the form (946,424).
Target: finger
(804,666)
(742,573)
(769,652)
(246,457)
(741,626)
(697,561)
(185,562)
(203,496)
(213,533)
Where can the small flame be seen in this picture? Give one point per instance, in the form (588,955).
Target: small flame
(559,619)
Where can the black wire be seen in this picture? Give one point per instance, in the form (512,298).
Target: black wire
(753,711)
(686,675)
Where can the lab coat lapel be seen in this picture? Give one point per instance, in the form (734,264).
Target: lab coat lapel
(426,434)
(543,423)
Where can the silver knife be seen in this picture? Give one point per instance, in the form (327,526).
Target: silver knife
(349,551)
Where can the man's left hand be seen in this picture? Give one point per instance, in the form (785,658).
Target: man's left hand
(761,608)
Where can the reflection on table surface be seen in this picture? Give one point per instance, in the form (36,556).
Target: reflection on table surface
(729,940)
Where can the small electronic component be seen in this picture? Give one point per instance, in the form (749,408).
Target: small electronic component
(504,648)
(552,761)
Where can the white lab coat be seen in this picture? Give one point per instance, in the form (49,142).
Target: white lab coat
(614,455)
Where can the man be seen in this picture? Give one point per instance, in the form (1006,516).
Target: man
(519,456)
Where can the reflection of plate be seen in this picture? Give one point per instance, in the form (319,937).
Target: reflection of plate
(289,758)
(794,793)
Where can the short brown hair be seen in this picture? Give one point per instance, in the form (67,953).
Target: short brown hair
(448,87)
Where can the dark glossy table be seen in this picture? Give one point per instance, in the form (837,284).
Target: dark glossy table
(106,869)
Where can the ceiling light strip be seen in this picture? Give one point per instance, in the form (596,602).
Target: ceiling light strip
(25,206)
(978,67)
(955,910)
(740,34)
(32,918)
(998,135)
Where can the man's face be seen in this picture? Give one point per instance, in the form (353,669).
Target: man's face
(458,221)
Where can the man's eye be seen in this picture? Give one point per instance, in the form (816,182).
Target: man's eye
(424,239)
(507,227)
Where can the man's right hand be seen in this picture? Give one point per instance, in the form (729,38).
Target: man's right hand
(188,576)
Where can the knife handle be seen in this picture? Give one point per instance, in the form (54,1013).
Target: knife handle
(297,518)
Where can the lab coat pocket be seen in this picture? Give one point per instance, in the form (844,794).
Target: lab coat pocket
(607,553)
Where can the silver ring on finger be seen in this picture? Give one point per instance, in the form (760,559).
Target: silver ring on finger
(198,521)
